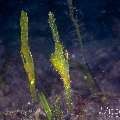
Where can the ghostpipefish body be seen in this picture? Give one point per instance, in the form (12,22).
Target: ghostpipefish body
(59,59)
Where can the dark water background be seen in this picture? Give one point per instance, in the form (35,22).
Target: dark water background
(97,16)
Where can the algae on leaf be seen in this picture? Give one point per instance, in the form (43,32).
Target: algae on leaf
(26,54)
(29,64)
(89,79)
(45,106)
(75,22)
(59,59)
